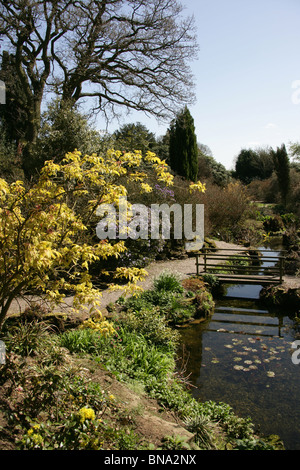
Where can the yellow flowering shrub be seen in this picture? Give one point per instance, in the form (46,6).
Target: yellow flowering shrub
(201,187)
(45,242)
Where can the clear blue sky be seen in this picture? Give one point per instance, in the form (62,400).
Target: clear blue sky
(249,60)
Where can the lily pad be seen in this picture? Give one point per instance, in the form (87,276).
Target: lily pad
(270,374)
(238,367)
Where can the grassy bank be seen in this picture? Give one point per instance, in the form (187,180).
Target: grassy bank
(63,390)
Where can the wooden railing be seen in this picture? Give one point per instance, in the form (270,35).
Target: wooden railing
(241,266)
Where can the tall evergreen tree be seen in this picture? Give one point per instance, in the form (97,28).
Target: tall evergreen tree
(282,169)
(183,146)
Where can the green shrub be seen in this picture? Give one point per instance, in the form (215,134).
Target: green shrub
(204,303)
(172,305)
(168,282)
(211,280)
(273,223)
(28,338)
(203,429)
(83,340)
(153,326)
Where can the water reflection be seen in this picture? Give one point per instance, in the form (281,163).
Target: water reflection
(242,356)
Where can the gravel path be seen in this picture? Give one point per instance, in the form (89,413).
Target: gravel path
(183,267)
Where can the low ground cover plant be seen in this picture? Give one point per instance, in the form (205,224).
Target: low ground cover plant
(173,298)
(51,403)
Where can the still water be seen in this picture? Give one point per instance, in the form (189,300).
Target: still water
(242,356)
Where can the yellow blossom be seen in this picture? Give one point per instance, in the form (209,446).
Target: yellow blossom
(86,413)
(37,439)
(197,187)
(146,188)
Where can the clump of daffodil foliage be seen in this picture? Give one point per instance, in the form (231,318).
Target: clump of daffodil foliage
(47,230)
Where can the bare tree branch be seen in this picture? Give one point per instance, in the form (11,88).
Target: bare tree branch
(131,54)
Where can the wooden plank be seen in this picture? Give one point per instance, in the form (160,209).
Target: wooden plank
(241,274)
(220,267)
(249,281)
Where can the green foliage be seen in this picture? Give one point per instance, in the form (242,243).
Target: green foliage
(85,340)
(28,339)
(177,302)
(183,150)
(282,169)
(54,406)
(10,167)
(209,168)
(60,408)
(168,281)
(175,443)
(131,137)
(295,150)
(273,223)
(172,305)
(127,353)
(203,430)
(73,434)
(152,325)
(235,427)
(290,220)
(211,279)
(204,303)
(14,115)
(253,444)
(254,164)
(63,129)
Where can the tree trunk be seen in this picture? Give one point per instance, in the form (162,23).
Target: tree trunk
(30,159)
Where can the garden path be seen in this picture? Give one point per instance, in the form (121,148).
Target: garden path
(184,267)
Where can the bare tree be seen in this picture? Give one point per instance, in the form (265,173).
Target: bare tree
(131,54)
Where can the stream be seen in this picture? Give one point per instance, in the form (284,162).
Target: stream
(242,355)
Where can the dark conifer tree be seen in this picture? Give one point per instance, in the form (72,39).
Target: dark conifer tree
(282,169)
(183,146)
